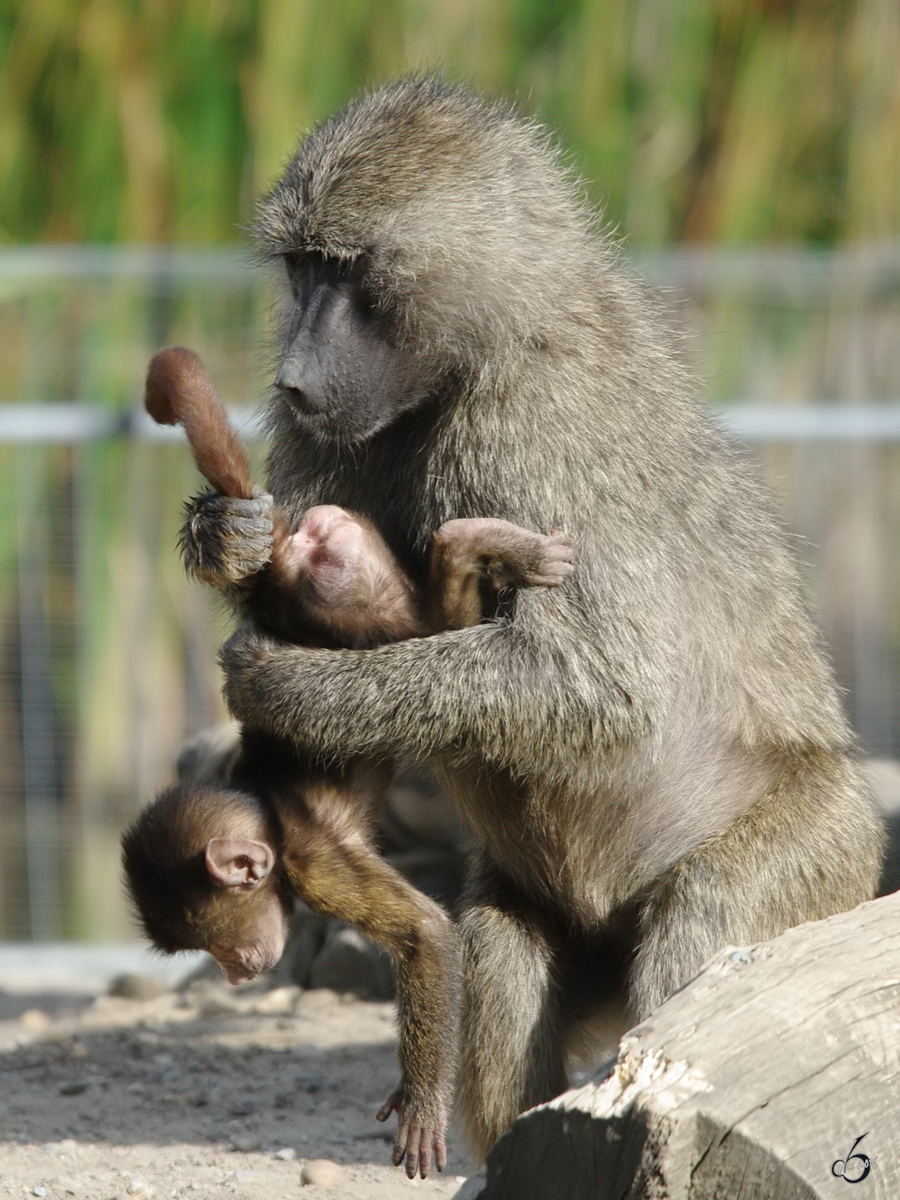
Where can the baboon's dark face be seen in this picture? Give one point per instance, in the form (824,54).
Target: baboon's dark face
(341,374)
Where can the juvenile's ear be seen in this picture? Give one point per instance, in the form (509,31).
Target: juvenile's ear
(238,863)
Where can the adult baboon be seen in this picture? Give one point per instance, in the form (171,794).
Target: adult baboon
(652,758)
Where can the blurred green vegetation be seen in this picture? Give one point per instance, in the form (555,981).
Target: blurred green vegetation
(729,120)
(161,121)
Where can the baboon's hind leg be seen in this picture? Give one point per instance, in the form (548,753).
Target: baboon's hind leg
(810,847)
(511,1045)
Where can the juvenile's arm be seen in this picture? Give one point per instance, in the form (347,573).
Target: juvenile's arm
(337,872)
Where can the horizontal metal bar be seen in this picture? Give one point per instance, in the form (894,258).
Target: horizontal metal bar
(232,263)
(812,423)
(851,274)
(66,423)
(847,277)
(59,422)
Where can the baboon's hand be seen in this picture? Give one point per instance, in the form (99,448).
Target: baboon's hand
(418,1135)
(223,540)
(545,562)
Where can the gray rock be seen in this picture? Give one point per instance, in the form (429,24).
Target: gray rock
(137,987)
(472,1188)
(246,1144)
(348,962)
(322,1172)
(74,1087)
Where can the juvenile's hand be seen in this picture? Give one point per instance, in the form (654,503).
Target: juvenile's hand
(418,1136)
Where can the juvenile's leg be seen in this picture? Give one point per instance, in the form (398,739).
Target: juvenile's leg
(511,1056)
(332,866)
(466,551)
(809,848)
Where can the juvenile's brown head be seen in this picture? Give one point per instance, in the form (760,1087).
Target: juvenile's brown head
(201,868)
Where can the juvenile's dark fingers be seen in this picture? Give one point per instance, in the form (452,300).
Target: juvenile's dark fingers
(250,528)
(223,539)
(261,505)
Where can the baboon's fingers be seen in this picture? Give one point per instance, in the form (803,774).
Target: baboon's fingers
(440,1150)
(550,577)
(557,542)
(554,568)
(392,1104)
(425,1149)
(554,562)
(418,1152)
(402,1144)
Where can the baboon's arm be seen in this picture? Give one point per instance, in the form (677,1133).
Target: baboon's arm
(336,871)
(509,692)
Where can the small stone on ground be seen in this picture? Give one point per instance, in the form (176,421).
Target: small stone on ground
(323,1172)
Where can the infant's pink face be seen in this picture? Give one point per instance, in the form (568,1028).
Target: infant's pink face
(327,549)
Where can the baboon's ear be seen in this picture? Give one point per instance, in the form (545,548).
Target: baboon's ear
(238,862)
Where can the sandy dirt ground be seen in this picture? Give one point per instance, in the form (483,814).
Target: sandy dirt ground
(209,1091)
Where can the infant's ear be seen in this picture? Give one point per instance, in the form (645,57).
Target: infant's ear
(238,862)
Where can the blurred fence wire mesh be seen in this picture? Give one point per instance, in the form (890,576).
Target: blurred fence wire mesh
(109,655)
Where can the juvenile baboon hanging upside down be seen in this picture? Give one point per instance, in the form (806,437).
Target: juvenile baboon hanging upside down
(653,758)
(215,868)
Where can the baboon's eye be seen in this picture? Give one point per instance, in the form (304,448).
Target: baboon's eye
(292,266)
(351,270)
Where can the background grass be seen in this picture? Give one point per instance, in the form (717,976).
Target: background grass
(729,120)
(158,122)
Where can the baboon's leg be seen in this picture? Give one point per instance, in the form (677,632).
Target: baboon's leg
(809,848)
(511,1054)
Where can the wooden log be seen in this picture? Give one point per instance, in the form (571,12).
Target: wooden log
(774,1074)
